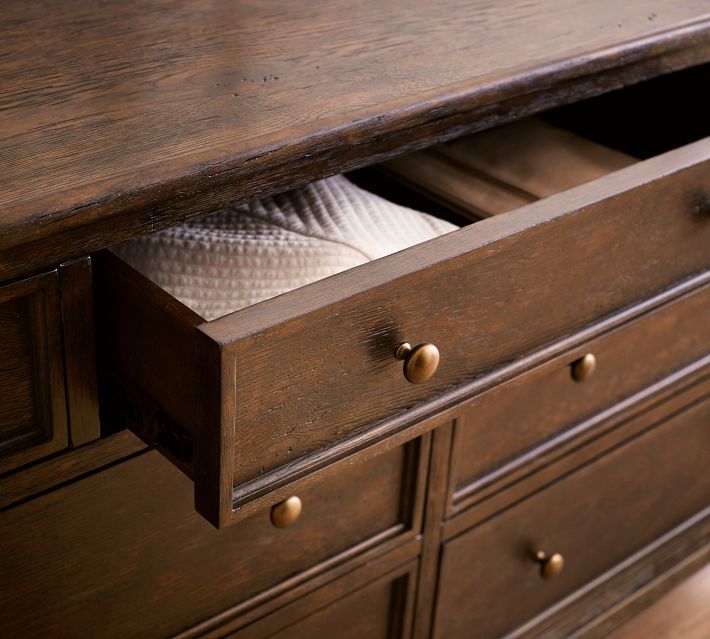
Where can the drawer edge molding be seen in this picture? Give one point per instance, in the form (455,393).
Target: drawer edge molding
(422,418)
(260,420)
(599,436)
(678,552)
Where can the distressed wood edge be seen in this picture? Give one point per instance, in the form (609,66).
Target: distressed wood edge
(441,115)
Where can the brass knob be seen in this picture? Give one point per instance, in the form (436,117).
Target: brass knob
(550,566)
(584,367)
(286,512)
(420,362)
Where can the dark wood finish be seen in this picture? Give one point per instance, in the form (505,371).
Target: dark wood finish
(505,168)
(682,612)
(515,417)
(80,351)
(342,578)
(24,484)
(33,420)
(621,592)
(434,513)
(455,291)
(596,518)
(380,609)
(169,568)
(180,108)
(167,120)
(592,438)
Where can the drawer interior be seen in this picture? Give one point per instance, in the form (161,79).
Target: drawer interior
(504,168)
(468,179)
(264,396)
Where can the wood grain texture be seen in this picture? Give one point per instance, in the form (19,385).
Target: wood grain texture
(683,613)
(616,595)
(122,560)
(168,109)
(595,517)
(514,417)
(381,609)
(435,507)
(505,168)
(482,294)
(296,602)
(80,351)
(62,469)
(33,415)
(563,454)
(483,307)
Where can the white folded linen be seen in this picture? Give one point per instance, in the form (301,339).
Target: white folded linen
(239,256)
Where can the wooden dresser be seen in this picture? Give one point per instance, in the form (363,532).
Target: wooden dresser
(274,472)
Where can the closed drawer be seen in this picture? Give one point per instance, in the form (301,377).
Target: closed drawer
(490,578)
(380,608)
(498,427)
(263,396)
(168,568)
(33,416)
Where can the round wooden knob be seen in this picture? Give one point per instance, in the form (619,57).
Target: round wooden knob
(420,362)
(286,512)
(584,367)
(550,566)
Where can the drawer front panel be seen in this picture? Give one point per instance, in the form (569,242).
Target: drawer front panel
(381,608)
(33,421)
(516,416)
(298,382)
(127,547)
(526,279)
(595,518)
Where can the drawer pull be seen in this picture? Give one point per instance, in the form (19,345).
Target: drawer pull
(420,362)
(286,512)
(550,566)
(584,367)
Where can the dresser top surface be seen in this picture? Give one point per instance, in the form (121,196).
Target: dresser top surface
(111,107)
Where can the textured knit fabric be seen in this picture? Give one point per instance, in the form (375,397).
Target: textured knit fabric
(240,256)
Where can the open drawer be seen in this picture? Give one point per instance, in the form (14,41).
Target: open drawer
(257,399)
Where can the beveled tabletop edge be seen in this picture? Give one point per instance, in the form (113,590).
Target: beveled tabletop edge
(99,215)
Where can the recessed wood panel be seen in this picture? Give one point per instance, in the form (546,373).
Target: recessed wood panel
(380,609)
(32,398)
(595,518)
(494,431)
(128,555)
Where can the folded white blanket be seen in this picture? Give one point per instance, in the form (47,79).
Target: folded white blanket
(239,256)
